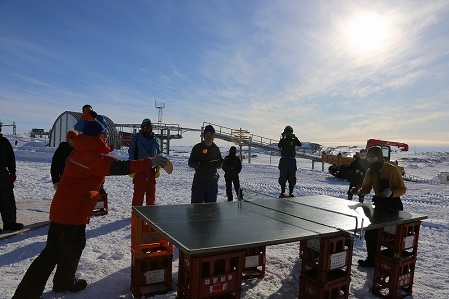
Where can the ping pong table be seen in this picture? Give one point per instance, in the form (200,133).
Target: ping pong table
(216,231)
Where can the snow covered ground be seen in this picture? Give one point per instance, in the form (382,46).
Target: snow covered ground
(105,262)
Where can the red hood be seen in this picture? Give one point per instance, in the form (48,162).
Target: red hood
(87,143)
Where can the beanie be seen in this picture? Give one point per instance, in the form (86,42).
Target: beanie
(93,128)
(146,122)
(70,134)
(376,151)
(209,128)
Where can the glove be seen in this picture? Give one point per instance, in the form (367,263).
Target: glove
(55,185)
(12,177)
(355,190)
(388,192)
(157,172)
(158,161)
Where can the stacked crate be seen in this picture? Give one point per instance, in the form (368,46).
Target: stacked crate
(214,276)
(396,260)
(325,267)
(152,256)
(255,260)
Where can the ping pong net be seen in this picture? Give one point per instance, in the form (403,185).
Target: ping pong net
(348,221)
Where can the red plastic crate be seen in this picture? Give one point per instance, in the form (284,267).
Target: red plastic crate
(255,260)
(326,254)
(143,237)
(151,274)
(332,276)
(401,237)
(393,278)
(210,276)
(154,249)
(310,289)
(101,208)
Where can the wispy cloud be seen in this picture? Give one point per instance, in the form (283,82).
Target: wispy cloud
(257,65)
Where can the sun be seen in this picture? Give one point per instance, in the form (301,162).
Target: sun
(368,33)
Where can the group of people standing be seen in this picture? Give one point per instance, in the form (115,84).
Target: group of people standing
(85,166)
(206,159)
(87,163)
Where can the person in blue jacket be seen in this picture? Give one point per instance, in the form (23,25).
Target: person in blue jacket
(144,144)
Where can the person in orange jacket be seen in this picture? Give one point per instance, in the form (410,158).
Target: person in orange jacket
(72,205)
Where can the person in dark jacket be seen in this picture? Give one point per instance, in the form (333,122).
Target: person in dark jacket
(206,158)
(287,163)
(70,210)
(61,154)
(358,167)
(232,167)
(144,144)
(386,181)
(8,208)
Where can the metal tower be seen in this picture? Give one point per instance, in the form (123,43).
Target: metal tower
(160,106)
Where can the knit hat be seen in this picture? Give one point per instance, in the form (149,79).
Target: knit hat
(146,122)
(209,128)
(70,134)
(376,151)
(93,128)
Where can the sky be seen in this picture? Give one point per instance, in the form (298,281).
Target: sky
(106,259)
(336,71)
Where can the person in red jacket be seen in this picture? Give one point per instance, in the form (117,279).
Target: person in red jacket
(70,210)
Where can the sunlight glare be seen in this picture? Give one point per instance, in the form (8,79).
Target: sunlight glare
(368,33)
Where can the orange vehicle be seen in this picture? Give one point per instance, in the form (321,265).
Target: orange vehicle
(340,164)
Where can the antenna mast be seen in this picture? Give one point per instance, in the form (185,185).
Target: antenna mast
(160,106)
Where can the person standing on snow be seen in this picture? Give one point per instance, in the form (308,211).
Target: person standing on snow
(60,156)
(70,210)
(8,208)
(144,144)
(386,181)
(358,167)
(287,163)
(206,158)
(89,114)
(232,167)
